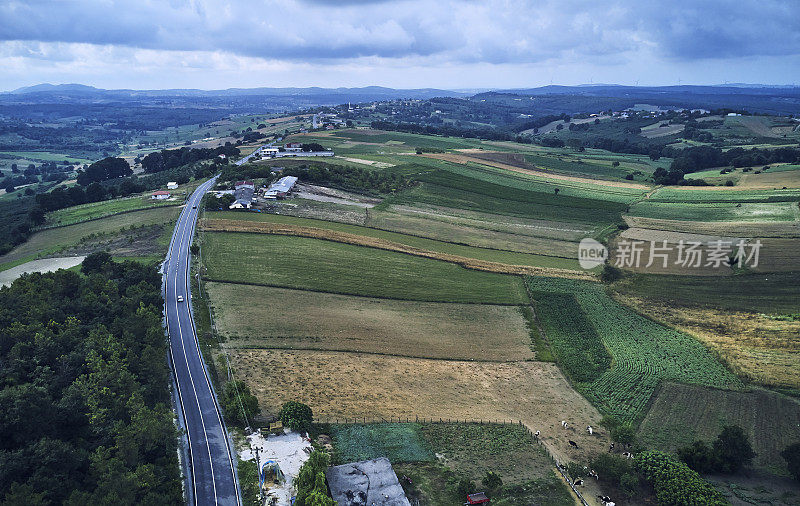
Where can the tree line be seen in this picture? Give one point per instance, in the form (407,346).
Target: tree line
(86,417)
(167,159)
(697,158)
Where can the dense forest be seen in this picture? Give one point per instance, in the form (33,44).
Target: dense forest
(86,417)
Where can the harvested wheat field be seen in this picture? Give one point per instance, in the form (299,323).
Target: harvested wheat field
(339,385)
(298,319)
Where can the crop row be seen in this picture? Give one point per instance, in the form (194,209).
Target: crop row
(643,352)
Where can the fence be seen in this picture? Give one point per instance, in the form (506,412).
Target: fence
(417,419)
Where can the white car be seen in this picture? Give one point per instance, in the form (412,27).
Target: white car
(180,298)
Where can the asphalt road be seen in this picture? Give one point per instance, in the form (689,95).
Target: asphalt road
(211,462)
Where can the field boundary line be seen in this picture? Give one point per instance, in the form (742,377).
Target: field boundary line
(382,297)
(237,226)
(41,229)
(418,236)
(378,353)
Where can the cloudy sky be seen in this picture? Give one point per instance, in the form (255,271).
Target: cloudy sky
(215,44)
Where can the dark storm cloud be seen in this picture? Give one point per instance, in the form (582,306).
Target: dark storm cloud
(450,31)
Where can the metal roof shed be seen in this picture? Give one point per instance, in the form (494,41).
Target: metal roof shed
(366,483)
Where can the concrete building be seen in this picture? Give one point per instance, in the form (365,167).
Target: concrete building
(268,153)
(160,195)
(366,483)
(172,185)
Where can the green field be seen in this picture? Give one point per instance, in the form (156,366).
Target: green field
(773,293)
(313,264)
(95,210)
(682,413)
(642,352)
(399,442)
(699,195)
(436,455)
(720,211)
(51,241)
(490,255)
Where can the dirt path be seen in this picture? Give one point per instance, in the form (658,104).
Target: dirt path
(464,159)
(44,265)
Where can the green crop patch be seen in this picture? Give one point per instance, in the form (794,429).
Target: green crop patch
(643,353)
(448,248)
(326,266)
(692,195)
(719,211)
(399,442)
(773,293)
(574,341)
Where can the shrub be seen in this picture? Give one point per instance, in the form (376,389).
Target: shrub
(674,483)
(310,482)
(238,403)
(611,467)
(629,484)
(492,481)
(610,273)
(792,457)
(733,449)
(296,415)
(699,456)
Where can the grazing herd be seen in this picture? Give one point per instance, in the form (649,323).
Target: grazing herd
(590,472)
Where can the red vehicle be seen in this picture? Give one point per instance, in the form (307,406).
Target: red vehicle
(479,498)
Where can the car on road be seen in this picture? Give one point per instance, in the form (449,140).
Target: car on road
(180,298)
(194,207)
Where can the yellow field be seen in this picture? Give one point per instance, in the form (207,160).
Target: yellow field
(265,317)
(762,349)
(339,385)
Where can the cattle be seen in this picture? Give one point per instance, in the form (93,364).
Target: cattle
(590,430)
(573,444)
(536,434)
(579,482)
(627,455)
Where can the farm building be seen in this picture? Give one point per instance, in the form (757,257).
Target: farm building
(370,482)
(478,498)
(160,195)
(293,146)
(243,195)
(268,152)
(281,187)
(172,185)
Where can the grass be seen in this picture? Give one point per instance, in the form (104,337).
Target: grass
(431,458)
(95,210)
(399,442)
(313,264)
(720,211)
(48,242)
(540,346)
(683,413)
(774,293)
(700,195)
(265,317)
(643,353)
(491,255)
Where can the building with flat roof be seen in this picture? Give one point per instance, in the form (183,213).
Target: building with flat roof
(366,483)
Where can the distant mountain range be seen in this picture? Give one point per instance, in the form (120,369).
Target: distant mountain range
(569,99)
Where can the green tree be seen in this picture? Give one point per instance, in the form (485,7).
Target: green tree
(733,449)
(629,484)
(791,454)
(699,456)
(492,481)
(310,482)
(296,415)
(239,404)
